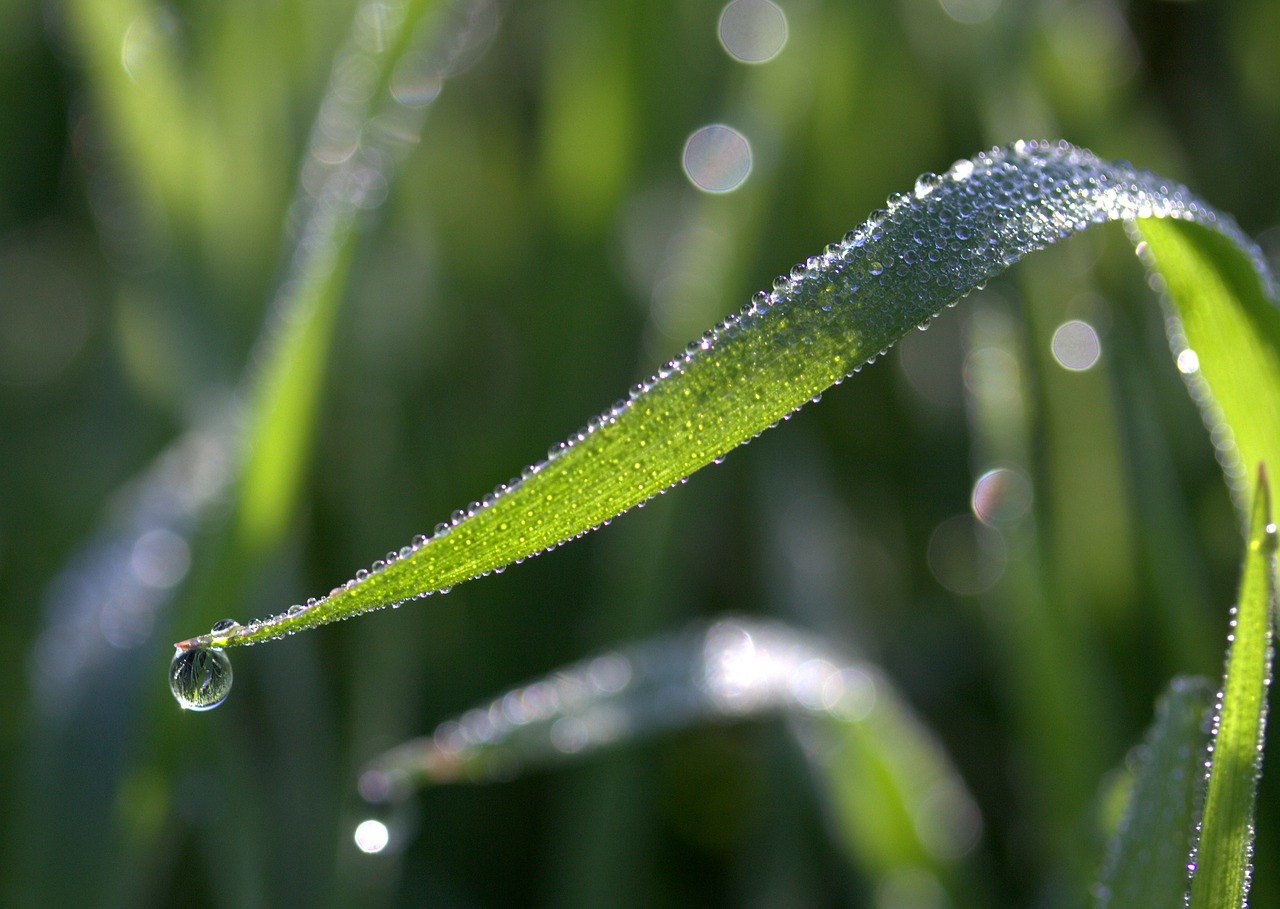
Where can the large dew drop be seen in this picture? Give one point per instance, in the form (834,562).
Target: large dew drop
(200,678)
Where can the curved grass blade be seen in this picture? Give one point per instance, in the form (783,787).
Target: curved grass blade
(1222,860)
(1146,859)
(894,797)
(821,323)
(1226,336)
(729,670)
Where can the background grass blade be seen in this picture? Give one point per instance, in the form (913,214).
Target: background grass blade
(1146,859)
(732,669)
(830,316)
(363,131)
(1223,857)
(894,800)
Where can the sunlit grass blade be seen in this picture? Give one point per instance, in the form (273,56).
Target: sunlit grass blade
(894,799)
(1226,332)
(1223,856)
(821,323)
(1146,859)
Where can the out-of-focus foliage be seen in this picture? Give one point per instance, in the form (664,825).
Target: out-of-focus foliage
(539,251)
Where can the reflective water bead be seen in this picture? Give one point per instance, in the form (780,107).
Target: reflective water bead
(926,183)
(200,678)
(961,170)
(222,626)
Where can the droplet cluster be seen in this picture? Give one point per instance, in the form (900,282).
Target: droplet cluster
(821,322)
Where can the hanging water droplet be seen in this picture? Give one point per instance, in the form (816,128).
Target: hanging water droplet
(200,678)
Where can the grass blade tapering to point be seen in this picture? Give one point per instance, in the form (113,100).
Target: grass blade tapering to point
(821,323)
(1222,860)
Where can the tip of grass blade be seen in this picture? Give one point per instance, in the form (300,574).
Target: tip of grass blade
(1222,860)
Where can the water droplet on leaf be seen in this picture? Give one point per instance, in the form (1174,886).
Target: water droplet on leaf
(200,678)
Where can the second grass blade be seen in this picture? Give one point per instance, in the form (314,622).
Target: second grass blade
(1223,857)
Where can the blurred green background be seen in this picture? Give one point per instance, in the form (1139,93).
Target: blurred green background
(538,251)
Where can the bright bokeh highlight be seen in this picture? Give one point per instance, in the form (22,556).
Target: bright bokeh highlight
(753,31)
(1076,345)
(372,836)
(717,158)
(1001,496)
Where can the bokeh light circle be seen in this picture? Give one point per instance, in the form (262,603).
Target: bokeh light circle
(717,158)
(753,31)
(970,12)
(372,836)
(966,556)
(1076,346)
(1001,496)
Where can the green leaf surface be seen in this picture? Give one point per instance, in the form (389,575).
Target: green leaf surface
(1146,860)
(821,323)
(1227,335)
(1223,858)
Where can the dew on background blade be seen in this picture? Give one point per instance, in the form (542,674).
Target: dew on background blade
(1076,346)
(200,678)
(1188,361)
(717,158)
(753,31)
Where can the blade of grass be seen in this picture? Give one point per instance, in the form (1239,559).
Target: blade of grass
(1146,859)
(894,798)
(1225,329)
(1222,859)
(823,322)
